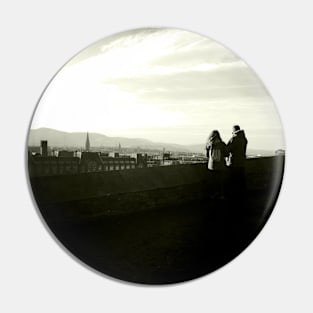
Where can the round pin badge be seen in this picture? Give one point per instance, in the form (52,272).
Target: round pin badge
(155,155)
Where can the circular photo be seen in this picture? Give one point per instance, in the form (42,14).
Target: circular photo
(155,156)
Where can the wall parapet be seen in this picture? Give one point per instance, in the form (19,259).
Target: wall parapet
(89,185)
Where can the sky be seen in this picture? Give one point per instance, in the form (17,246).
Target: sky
(162,84)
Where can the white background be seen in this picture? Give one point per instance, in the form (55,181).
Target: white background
(274,274)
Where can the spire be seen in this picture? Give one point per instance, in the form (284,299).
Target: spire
(87,144)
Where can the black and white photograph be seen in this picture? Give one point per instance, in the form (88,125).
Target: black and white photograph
(155,155)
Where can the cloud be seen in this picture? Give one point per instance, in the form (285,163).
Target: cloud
(196,84)
(166,84)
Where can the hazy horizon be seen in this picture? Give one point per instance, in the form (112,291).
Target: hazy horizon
(144,138)
(161,84)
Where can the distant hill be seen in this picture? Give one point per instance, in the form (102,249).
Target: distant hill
(58,138)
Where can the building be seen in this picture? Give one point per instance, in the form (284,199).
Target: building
(65,162)
(44,148)
(65,153)
(90,162)
(51,165)
(100,162)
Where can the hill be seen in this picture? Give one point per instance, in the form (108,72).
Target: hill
(58,138)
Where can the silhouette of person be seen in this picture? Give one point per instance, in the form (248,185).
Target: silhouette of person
(237,147)
(216,152)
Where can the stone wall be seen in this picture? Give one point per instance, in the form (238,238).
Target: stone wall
(91,194)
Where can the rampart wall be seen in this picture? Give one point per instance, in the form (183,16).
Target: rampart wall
(91,194)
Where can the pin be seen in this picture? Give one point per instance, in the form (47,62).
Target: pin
(156,156)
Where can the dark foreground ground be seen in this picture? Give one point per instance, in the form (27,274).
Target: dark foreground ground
(167,245)
(158,226)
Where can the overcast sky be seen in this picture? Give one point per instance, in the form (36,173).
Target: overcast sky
(166,85)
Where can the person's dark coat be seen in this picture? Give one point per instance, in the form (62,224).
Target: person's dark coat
(237,147)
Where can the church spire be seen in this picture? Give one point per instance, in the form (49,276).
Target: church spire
(87,144)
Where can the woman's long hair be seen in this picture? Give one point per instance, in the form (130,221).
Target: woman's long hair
(214,137)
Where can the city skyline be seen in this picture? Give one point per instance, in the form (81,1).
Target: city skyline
(78,140)
(164,85)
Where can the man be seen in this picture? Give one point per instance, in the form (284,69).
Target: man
(237,147)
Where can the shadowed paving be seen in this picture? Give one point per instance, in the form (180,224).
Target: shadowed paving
(162,246)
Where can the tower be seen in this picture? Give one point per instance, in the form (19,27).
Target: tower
(44,148)
(87,144)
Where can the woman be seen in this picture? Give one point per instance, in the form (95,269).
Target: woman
(216,153)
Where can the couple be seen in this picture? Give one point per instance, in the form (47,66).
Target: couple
(235,155)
